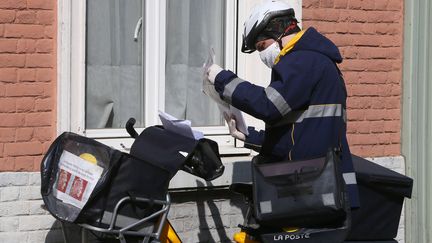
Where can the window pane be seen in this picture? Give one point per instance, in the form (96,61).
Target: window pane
(114,88)
(193,26)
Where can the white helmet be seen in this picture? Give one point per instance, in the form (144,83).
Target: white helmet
(260,17)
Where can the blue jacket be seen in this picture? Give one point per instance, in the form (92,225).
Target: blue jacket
(303,107)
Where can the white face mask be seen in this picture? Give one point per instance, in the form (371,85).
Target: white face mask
(268,55)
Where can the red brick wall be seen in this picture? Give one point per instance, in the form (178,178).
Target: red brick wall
(27,82)
(369,34)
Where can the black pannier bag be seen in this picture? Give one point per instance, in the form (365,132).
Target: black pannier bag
(299,193)
(174,152)
(83,180)
(382,193)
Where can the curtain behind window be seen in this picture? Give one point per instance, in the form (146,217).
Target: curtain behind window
(114,89)
(193,26)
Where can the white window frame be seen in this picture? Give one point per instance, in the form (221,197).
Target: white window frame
(71,72)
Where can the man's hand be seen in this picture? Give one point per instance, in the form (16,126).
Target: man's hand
(233,128)
(212,72)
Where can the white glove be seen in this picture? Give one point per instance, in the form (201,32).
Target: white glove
(212,72)
(233,128)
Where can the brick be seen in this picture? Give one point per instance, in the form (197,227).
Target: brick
(368,4)
(36,222)
(39,60)
(26,46)
(380,53)
(38,160)
(13,179)
(9,224)
(8,194)
(43,133)
(381,4)
(321,14)
(40,4)
(355,16)
(374,115)
(25,17)
(355,4)
(21,90)
(38,119)
(341,4)
(2,90)
(377,103)
(394,77)
(35,207)
(13,237)
(361,139)
(6,164)
(24,134)
(351,77)
(47,144)
(29,193)
(392,126)
(341,40)
(34,179)
(355,65)
(387,28)
(394,113)
(12,60)
(28,74)
(24,163)
(44,74)
(8,105)
(358,127)
(24,31)
(8,46)
(50,32)
(358,103)
(14,208)
(349,52)
(373,77)
(356,115)
(23,148)
(1,150)
(11,120)
(7,16)
(383,17)
(1,30)
(383,65)
(7,135)
(45,17)
(13,4)
(392,149)
(44,46)
(310,3)
(394,5)
(46,104)
(8,75)
(49,90)
(326,3)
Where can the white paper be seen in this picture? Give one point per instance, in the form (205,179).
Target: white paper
(182,127)
(209,89)
(76,179)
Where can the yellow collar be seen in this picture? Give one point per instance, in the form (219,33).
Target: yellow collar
(289,45)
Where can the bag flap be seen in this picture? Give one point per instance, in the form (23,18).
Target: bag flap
(291,172)
(381,178)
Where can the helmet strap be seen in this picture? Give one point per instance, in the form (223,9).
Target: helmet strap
(292,28)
